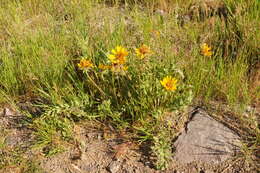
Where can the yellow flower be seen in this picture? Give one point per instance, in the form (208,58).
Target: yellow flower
(118,55)
(104,67)
(143,51)
(85,64)
(206,50)
(169,83)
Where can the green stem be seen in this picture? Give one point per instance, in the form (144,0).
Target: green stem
(93,82)
(114,91)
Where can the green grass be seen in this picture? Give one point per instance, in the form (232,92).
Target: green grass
(41,43)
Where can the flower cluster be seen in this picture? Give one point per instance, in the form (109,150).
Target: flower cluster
(118,62)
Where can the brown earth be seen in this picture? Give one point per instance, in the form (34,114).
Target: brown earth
(94,151)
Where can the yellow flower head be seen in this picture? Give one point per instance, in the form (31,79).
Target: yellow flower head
(206,50)
(118,55)
(104,67)
(169,83)
(85,64)
(143,51)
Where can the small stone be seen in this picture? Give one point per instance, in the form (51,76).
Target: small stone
(114,166)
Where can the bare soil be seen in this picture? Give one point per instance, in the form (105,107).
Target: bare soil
(94,151)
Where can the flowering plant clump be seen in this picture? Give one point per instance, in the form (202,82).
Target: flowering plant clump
(136,88)
(169,83)
(206,50)
(85,64)
(126,91)
(136,79)
(143,51)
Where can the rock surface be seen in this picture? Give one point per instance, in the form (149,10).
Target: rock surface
(205,140)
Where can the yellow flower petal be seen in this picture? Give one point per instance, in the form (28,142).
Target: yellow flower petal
(206,50)
(113,51)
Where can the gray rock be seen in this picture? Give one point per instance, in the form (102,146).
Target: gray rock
(205,140)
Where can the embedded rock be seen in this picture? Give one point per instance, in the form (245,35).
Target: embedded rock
(205,140)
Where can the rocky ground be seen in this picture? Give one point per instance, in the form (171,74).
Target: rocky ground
(205,145)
